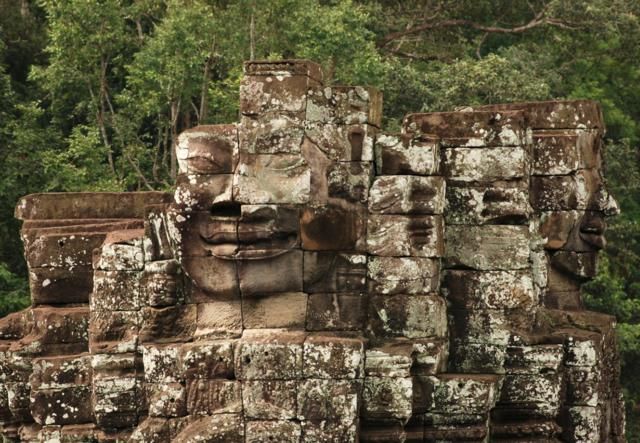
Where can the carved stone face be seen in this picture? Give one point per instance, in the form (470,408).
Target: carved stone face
(241,215)
(572,197)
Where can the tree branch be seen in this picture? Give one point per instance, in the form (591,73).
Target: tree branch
(537,21)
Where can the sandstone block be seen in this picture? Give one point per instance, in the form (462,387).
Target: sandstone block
(161,364)
(333,400)
(532,359)
(407,194)
(166,399)
(471,128)
(464,394)
(283,431)
(562,152)
(471,357)
(197,192)
(496,203)
(265,93)
(271,133)
(488,247)
(328,432)
(402,358)
(556,227)
(282,272)
(350,181)
(65,251)
(286,310)
(121,251)
(218,319)
(116,291)
(332,357)
(411,316)
(539,394)
(404,235)
(52,286)
(228,428)
(581,423)
(114,331)
(168,325)
(402,155)
(336,312)
(334,271)
(387,398)
(583,385)
(343,143)
(345,105)
(564,192)
(61,406)
(218,396)
(269,399)
(272,179)
(160,289)
(61,372)
(269,355)
(207,149)
(207,360)
(403,275)
(215,277)
(490,289)
(333,228)
(484,165)
(115,402)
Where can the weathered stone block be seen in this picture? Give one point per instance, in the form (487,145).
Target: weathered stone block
(269,430)
(216,277)
(326,431)
(207,360)
(166,399)
(269,355)
(196,192)
(564,192)
(285,310)
(387,398)
(350,181)
(207,149)
(471,128)
(401,358)
(336,312)
(116,291)
(583,265)
(228,428)
(332,357)
(403,275)
(114,331)
(411,316)
(159,284)
(333,228)
(487,247)
(269,399)
(333,400)
(345,105)
(271,133)
(334,272)
(490,289)
(61,406)
(583,385)
(496,203)
(115,402)
(540,394)
(532,359)
(61,372)
(471,357)
(121,251)
(405,235)
(556,227)
(484,165)
(265,229)
(168,325)
(343,143)
(407,194)
(207,397)
(402,155)
(66,251)
(281,272)
(581,423)
(218,319)
(161,364)
(562,152)
(272,179)
(464,394)
(52,286)
(264,93)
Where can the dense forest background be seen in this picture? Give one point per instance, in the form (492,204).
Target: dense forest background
(93,93)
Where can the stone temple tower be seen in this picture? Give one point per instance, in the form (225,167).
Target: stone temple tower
(315,279)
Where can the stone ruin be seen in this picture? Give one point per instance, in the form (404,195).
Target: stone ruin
(313,279)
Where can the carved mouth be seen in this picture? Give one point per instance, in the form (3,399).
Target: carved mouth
(592,233)
(249,243)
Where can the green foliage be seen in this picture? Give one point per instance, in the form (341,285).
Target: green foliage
(94,92)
